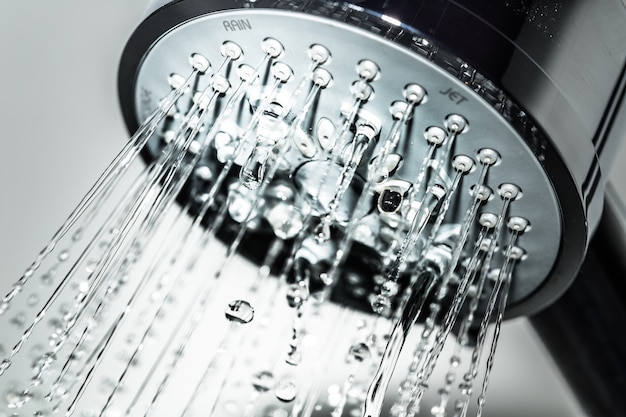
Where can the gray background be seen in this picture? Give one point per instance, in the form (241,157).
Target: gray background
(61,125)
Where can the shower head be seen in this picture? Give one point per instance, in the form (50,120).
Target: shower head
(435,83)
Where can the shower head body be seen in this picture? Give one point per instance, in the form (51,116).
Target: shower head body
(518,73)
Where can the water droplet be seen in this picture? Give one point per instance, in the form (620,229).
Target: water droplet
(36,381)
(398,410)
(231,407)
(322,232)
(325,133)
(459,405)
(450,377)
(286,391)
(389,288)
(304,143)
(4,306)
(263,381)
(4,365)
(334,395)
(253,170)
(44,361)
(57,390)
(359,352)
(382,167)
(64,256)
(358,392)
(203,172)
(19,320)
(91,266)
(389,201)
(380,304)
(47,278)
(466,389)
(241,204)
(83,286)
(279,412)
(226,147)
(32,299)
(18,399)
(294,357)
(286,220)
(239,311)
(296,295)
(57,338)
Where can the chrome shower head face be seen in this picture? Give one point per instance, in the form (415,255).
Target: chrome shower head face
(340,120)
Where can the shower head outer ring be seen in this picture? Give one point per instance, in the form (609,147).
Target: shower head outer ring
(579,202)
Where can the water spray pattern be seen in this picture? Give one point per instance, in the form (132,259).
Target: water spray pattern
(142,312)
